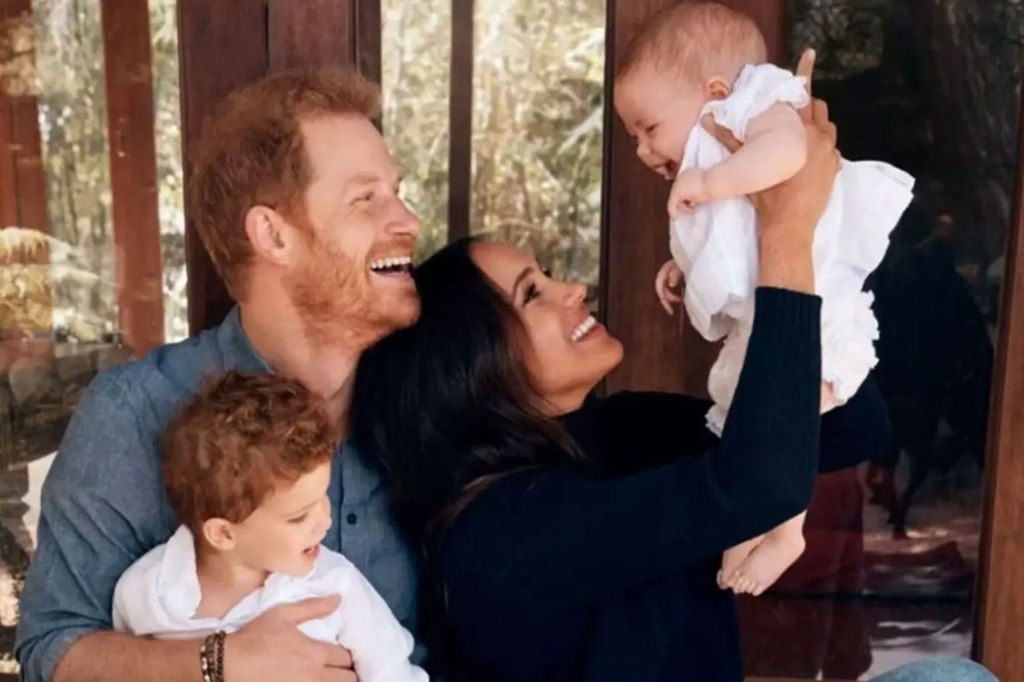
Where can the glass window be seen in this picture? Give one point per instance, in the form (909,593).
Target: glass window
(889,572)
(415,76)
(538,115)
(60,288)
(537,119)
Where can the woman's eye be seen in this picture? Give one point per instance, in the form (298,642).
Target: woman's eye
(532,292)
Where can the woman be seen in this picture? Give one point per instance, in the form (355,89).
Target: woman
(572,538)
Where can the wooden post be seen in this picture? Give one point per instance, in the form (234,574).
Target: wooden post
(999,612)
(662,353)
(460,120)
(128,64)
(22,177)
(222,45)
(310,33)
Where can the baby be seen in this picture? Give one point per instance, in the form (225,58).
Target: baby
(247,465)
(700,58)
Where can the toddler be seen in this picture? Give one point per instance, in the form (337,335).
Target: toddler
(247,465)
(701,58)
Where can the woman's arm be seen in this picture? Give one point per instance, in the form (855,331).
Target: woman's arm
(553,538)
(547,539)
(663,428)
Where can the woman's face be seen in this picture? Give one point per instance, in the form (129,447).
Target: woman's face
(570,352)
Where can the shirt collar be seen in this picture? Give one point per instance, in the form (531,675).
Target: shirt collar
(237,348)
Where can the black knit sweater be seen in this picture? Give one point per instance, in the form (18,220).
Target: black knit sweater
(608,573)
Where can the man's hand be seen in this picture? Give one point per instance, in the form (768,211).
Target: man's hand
(666,283)
(272,648)
(688,190)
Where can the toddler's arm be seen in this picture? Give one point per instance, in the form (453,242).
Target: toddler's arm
(775,149)
(379,644)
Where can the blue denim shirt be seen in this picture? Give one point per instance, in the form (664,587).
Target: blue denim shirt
(104,505)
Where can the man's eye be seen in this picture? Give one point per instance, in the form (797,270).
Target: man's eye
(366,196)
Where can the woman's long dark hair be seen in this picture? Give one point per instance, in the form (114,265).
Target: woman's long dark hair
(446,406)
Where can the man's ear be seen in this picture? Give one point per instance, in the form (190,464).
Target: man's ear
(269,234)
(716,88)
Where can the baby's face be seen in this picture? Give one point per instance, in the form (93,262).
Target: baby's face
(283,535)
(658,112)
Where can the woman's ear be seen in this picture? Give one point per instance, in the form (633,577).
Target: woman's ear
(219,534)
(268,233)
(716,88)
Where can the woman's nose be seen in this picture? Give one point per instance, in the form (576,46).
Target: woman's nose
(576,293)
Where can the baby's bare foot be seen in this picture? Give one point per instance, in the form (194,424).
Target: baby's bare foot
(732,559)
(773,555)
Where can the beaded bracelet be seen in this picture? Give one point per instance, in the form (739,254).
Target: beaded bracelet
(211,657)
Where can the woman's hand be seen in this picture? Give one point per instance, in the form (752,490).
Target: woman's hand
(789,211)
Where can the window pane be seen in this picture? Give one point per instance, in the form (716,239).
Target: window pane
(62,284)
(889,571)
(538,113)
(416,58)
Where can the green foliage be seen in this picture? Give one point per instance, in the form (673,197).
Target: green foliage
(72,117)
(537,122)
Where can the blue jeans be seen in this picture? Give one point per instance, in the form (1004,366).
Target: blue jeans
(939,670)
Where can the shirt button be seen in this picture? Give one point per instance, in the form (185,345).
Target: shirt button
(351,518)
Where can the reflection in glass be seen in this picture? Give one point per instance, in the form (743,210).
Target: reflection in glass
(58,261)
(888,577)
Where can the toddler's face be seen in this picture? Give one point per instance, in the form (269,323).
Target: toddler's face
(658,111)
(283,535)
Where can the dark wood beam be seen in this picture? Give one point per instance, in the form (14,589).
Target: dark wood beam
(310,33)
(222,45)
(460,121)
(22,173)
(128,69)
(1000,607)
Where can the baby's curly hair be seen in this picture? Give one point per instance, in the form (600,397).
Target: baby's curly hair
(238,440)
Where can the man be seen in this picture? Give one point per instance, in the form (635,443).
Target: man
(296,200)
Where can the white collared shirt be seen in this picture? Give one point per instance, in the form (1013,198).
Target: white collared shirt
(159,594)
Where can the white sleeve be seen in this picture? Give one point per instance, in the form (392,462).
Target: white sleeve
(758,88)
(379,644)
(121,613)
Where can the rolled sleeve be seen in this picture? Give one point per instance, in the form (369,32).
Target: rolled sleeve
(103,507)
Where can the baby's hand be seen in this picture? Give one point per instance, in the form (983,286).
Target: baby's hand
(669,278)
(688,190)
